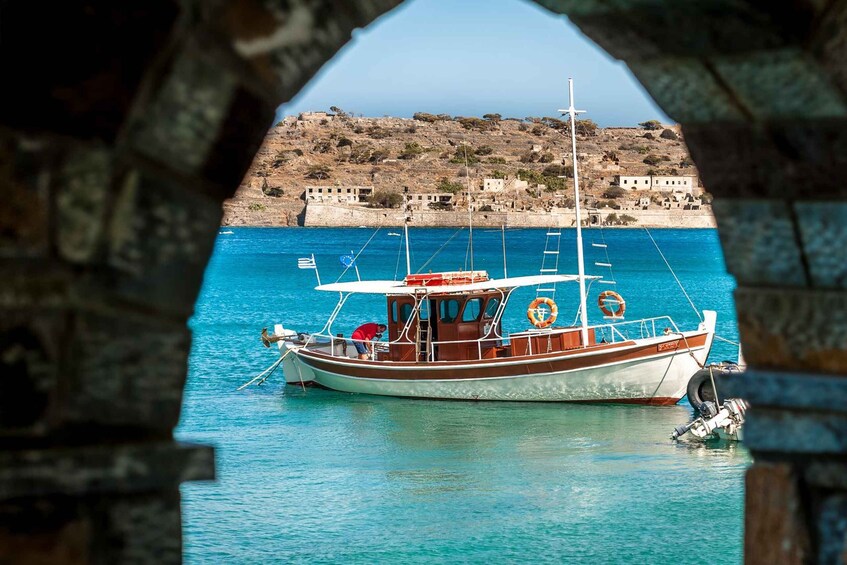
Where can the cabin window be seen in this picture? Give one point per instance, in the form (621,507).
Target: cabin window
(405,312)
(449,310)
(491,307)
(393,311)
(423,313)
(472,310)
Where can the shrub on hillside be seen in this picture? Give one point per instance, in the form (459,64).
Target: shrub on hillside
(411,151)
(445,185)
(669,134)
(651,125)
(464,154)
(496,161)
(651,160)
(613,192)
(484,150)
(318,172)
(385,199)
(344,142)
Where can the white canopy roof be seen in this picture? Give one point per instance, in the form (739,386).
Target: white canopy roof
(399,287)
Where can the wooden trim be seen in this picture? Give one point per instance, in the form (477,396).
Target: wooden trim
(604,354)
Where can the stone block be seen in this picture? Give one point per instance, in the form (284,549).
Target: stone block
(829,44)
(635,30)
(138,528)
(774,525)
(781,84)
(82,197)
(826,474)
(81,76)
(24,182)
(160,238)
(125,371)
(287,44)
(798,432)
(823,229)
(687,90)
(793,329)
(832,529)
(805,391)
(181,122)
(30,352)
(239,137)
(86,470)
(759,242)
(736,160)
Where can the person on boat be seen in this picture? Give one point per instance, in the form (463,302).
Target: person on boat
(363,335)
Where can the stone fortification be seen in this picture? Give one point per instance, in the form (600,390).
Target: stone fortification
(323,215)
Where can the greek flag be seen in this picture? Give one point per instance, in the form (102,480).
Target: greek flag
(306,263)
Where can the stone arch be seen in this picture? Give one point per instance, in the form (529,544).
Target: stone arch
(128,125)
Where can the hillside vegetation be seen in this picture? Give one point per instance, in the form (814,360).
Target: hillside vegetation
(439,153)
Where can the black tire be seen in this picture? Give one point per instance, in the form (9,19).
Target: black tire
(700,388)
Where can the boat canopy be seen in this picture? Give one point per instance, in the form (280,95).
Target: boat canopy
(400,287)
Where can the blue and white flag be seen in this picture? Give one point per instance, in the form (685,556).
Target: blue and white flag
(306,263)
(347,260)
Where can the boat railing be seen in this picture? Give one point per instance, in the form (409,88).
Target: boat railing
(613,332)
(645,328)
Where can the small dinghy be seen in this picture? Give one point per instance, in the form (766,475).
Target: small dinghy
(714,419)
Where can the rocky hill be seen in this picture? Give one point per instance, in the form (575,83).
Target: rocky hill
(438,153)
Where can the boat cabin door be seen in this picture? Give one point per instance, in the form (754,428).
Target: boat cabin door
(400,309)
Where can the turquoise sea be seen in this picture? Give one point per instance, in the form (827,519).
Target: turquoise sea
(322,477)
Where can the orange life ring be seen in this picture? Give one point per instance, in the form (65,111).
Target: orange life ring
(615,298)
(532,312)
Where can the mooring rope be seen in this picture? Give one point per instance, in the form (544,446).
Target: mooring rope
(269,371)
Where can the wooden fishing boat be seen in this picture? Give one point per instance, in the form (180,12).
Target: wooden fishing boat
(445,340)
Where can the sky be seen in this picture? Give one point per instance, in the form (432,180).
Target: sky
(473,57)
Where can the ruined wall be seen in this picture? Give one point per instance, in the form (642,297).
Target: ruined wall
(322,215)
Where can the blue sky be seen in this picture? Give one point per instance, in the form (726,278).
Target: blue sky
(472,57)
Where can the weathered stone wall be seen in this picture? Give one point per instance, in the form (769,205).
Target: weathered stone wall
(322,215)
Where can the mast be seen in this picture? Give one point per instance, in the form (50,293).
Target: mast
(406,218)
(572,112)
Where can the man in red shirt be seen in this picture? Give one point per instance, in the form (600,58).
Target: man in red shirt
(363,335)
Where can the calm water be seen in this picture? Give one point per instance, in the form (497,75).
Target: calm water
(324,477)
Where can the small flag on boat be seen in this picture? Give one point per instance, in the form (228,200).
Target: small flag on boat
(306,263)
(347,260)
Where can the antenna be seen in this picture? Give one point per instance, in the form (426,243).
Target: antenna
(572,112)
(406,217)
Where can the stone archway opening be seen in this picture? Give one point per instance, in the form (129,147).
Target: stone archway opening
(128,126)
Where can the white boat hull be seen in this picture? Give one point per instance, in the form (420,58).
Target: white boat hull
(654,376)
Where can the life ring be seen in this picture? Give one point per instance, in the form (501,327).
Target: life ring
(533,314)
(611,295)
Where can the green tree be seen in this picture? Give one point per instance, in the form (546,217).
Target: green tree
(385,199)
(445,185)
(464,154)
(411,151)
(651,125)
(318,172)
(613,192)
(492,117)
